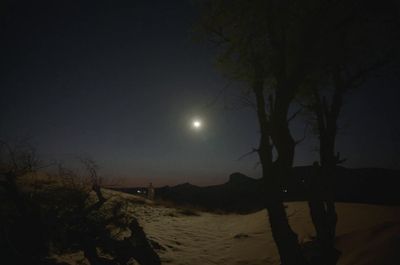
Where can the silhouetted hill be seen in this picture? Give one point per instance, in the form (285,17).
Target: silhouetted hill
(238,179)
(239,194)
(244,194)
(368,185)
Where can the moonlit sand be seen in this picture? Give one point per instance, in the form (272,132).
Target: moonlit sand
(366,234)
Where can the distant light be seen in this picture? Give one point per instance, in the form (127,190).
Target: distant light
(285,190)
(139,191)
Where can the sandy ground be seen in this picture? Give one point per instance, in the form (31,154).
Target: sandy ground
(246,239)
(366,234)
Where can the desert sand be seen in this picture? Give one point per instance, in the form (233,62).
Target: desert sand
(366,234)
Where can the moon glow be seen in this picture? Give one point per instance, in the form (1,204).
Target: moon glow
(197,124)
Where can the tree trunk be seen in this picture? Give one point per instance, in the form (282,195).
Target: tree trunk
(321,198)
(286,240)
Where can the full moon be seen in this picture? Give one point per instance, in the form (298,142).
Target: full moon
(196,124)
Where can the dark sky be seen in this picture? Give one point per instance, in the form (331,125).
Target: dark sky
(120,81)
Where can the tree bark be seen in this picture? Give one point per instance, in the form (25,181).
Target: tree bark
(321,197)
(286,240)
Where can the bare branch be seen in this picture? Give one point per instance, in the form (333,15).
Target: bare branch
(359,77)
(95,180)
(304,135)
(220,93)
(254,150)
(294,115)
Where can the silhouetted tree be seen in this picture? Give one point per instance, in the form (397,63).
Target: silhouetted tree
(22,234)
(284,49)
(271,46)
(362,41)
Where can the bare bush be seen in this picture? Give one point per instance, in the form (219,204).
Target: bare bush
(68,215)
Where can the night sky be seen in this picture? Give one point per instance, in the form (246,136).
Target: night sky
(120,81)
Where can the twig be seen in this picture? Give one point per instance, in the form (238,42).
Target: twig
(247,154)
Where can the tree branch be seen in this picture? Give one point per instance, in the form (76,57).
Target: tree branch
(254,150)
(294,115)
